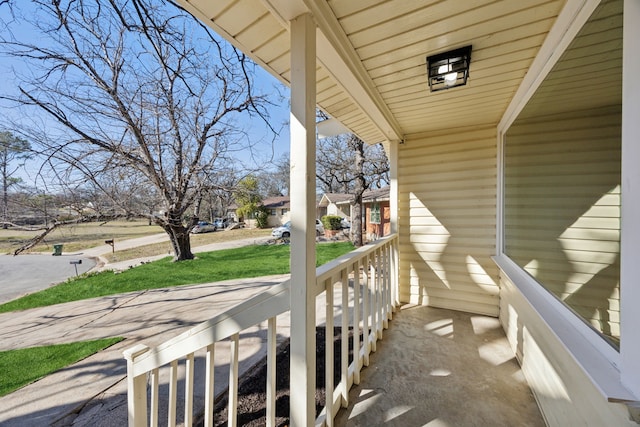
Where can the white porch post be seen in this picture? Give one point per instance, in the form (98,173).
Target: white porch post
(303,260)
(630,230)
(393,188)
(393,207)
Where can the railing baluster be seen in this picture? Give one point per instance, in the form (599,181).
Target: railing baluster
(385,287)
(395,273)
(356,322)
(153,419)
(366,309)
(271,372)
(233,381)
(188,390)
(374,302)
(379,319)
(209,386)
(344,344)
(173,394)
(328,352)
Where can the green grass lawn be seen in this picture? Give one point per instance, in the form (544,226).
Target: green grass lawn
(26,365)
(244,262)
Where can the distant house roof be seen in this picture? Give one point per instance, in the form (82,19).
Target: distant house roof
(277,202)
(336,198)
(379,194)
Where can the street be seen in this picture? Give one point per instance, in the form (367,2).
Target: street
(28,273)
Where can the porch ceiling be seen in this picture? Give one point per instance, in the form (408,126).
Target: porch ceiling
(371,72)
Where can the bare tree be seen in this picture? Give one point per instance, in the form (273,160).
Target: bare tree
(347,164)
(137,86)
(13,152)
(275,181)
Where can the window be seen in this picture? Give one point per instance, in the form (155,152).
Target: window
(561,177)
(374,217)
(272,212)
(284,211)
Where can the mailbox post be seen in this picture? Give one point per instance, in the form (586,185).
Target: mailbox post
(112,244)
(75,264)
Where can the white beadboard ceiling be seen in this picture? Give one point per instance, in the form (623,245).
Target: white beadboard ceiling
(371,72)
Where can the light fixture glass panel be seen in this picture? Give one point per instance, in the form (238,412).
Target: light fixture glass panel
(449,69)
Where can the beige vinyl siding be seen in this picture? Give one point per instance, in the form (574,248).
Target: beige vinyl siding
(447,220)
(562,209)
(565,394)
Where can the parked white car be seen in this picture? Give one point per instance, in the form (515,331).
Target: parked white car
(284,231)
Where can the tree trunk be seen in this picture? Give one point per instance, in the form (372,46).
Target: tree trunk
(5,193)
(178,235)
(360,186)
(356,223)
(181,242)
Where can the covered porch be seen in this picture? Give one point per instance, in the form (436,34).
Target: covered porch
(463,237)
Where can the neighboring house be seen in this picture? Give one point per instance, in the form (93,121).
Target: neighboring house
(278,209)
(516,195)
(338,204)
(376,221)
(377,209)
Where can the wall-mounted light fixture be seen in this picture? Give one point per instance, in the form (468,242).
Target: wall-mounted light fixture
(449,69)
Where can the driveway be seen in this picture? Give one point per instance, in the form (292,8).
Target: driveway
(28,273)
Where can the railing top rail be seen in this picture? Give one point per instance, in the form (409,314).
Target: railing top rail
(326,271)
(256,309)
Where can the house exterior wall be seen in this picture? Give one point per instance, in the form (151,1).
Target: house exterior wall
(334,209)
(281,216)
(565,394)
(447,220)
(374,231)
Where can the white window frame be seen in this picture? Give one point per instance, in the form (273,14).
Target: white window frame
(615,373)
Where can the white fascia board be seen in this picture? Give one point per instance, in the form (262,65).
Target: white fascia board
(337,56)
(570,20)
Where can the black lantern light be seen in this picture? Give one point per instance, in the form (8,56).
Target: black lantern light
(449,69)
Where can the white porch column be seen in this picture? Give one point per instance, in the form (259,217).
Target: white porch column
(393,207)
(303,230)
(630,233)
(393,188)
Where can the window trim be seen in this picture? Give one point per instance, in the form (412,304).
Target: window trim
(375,211)
(630,235)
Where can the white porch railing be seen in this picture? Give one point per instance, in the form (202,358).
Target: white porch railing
(366,281)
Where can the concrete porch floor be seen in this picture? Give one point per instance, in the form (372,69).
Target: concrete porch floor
(441,368)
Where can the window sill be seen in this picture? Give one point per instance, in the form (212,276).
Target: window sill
(591,353)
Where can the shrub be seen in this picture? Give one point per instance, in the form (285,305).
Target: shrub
(262,216)
(332,222)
